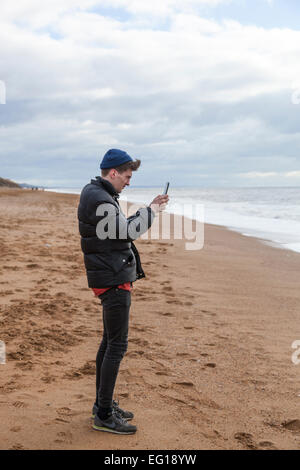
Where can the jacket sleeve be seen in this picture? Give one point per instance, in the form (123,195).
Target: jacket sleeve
(114,225)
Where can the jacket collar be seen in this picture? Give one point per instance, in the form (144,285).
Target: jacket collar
(99,181)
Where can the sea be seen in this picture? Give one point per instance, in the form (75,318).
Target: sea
(269,213)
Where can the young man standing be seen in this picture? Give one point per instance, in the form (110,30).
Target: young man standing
(112,264)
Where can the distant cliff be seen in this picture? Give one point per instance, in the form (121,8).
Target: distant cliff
(8,184)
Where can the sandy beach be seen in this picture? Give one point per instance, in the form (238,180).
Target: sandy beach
(209,363)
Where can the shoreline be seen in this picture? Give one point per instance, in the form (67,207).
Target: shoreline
(209,363)
(240,230)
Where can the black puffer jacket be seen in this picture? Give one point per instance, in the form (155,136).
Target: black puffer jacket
(110,260)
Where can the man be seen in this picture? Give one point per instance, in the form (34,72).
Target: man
(112,264)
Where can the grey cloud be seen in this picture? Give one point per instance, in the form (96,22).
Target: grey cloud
(51,129)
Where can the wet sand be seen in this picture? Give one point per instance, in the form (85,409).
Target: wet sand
(209,358)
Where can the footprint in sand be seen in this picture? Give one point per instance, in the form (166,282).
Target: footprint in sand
(42,281)
(185,384)
(66,436)
(17,447)
(73,375)
(188,400)
(64,415)
(167,289)
(61,420)
(19,404)
(142,297)
(123,395)
(139,341)
(174,399)
(135,353)
(12,268)
(292,425)
(64,411)
(16,429)
(132,378)
(246,440)
(140,328)
(89,368)
(48,379)
(267,445)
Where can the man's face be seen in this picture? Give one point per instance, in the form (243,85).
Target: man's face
(120,180)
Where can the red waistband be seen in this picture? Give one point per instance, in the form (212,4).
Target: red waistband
(125,286)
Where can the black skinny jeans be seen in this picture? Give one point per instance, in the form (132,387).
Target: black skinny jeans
(116,305)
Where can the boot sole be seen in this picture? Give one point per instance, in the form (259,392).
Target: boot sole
(102,428)
(127,419)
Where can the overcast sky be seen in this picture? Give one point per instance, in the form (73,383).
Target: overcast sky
(204,92)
